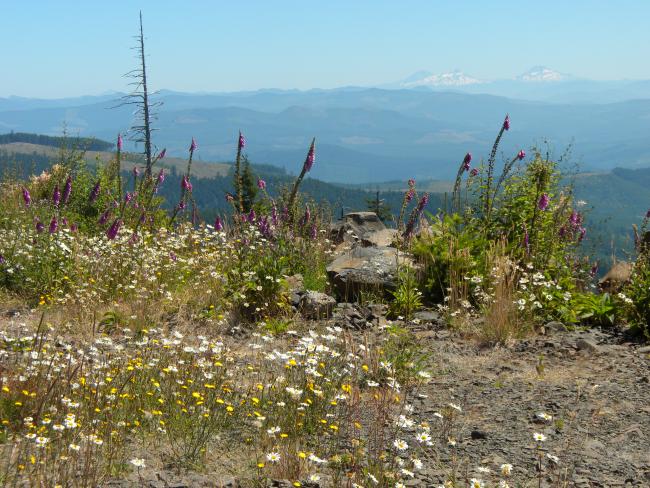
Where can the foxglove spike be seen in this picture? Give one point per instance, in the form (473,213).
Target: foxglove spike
(543,202)
(311,158)
(467,161)
(218,224)
(54,225)
(27,198)
(56,196)
(94,193)
(67,190)
(112,231)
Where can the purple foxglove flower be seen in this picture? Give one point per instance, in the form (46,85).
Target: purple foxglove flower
(143,218)
(112,231)
(543,202)
(467,161)
(186,184)
(506,123)
(56,196)
(647,215)
(136,172)
(264,227)
(119,142)
(562,231)
(473,172)
(160,178)
(54,225)
(583,233)
(285,214)
(162,154)
(311,158)
(172,256)
(313,232)
(575,219)
(423,202)
(27,198)
(410,194)
(193,146)
(64,221)
(252,216)
(521,155)
(181,205)
(274,215)
(94,193)
(67,190)
(261,184)
(594,269)
(128,197)
(229,197)
(218,224)
(39,226)
(2,259)
(411,183)
(74,227)
(242,142)
(134,238)
(103,218)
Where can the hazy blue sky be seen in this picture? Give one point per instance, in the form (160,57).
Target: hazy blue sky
(62,48)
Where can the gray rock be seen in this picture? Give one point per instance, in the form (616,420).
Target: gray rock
(587,345)
(356,226)
(554,326)
(643,350)
(380,238)
(316,305)
(427,316)
(478,434)
(364,269)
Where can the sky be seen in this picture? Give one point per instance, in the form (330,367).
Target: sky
(64,48)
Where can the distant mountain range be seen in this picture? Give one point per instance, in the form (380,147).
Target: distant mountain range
(539,83)
(377,134)
(457,78)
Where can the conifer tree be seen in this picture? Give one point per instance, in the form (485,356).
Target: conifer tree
(248,186)
(380,207)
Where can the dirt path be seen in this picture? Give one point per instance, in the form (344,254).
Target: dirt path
(595,387)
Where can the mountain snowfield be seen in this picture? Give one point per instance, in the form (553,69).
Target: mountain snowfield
(455,78)
(458,78)
(542,73)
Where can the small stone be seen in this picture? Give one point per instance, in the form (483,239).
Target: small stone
(554,326)
(478,434)
(586,345)
(317,305)
(643,350)
(427,316)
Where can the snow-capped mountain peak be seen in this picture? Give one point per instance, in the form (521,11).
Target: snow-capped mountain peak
(542,73)
(454,78)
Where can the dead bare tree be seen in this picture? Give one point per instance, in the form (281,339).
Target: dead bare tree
(140,131)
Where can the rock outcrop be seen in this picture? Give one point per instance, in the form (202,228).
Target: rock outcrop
(364,262)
